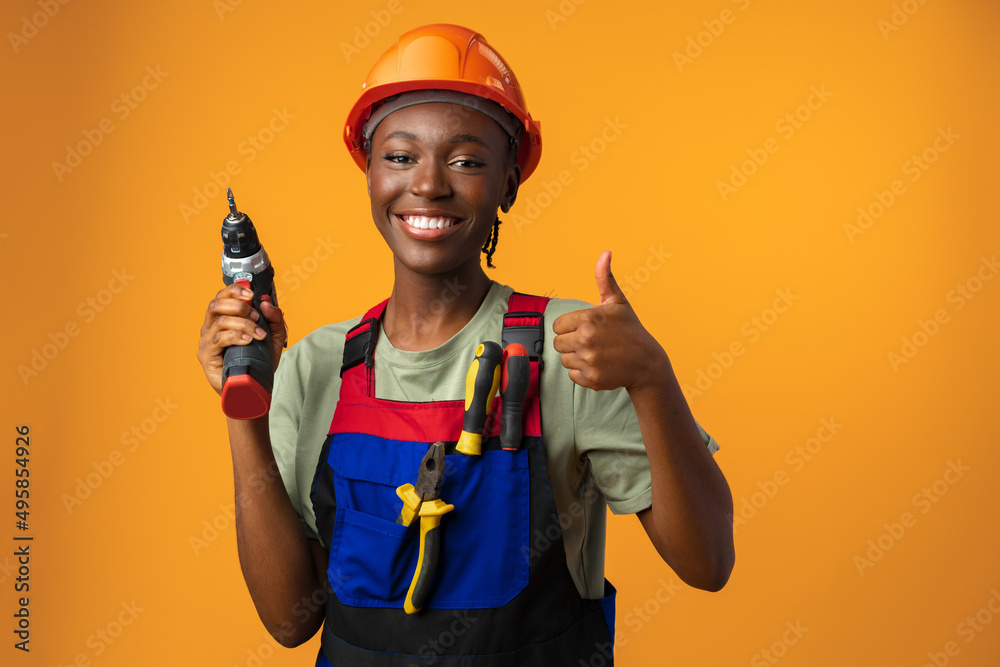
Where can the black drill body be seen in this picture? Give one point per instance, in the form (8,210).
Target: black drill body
(247,370)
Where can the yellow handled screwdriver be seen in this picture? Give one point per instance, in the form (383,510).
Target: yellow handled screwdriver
(480,387)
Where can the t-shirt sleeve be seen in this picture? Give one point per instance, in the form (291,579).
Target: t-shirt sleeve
(285,418)
(607,438)
(607,435)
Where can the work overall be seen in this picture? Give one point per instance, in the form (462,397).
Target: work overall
(495,599)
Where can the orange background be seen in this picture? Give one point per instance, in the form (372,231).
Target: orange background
(679,129)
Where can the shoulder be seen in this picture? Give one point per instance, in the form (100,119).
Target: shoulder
(320,341)
(557,307)
(317,352)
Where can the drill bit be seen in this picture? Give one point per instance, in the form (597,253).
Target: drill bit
(233,213)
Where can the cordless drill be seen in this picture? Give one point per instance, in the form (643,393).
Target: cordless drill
(247,370)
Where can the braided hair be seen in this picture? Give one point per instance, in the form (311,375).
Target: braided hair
(491,243)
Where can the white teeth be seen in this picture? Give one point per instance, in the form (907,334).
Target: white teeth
(424,222)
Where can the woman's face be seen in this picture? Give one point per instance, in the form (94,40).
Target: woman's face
(437,174)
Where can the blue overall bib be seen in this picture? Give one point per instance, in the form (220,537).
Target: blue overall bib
(495,600)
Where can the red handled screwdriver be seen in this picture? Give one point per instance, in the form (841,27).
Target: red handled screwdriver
(513,390)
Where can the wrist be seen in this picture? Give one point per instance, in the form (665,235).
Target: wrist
(657,372)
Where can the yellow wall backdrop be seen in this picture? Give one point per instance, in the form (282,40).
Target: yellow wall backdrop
(802,202)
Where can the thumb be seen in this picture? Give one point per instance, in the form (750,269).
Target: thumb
(607,286)
(275,322)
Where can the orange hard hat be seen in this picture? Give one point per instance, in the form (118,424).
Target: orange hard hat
(444,57)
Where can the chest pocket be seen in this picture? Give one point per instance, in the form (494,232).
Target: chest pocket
(484,540)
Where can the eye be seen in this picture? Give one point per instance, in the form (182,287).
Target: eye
(397,158)
(468,163)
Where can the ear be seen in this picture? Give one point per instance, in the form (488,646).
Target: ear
(511,184)
(368,177)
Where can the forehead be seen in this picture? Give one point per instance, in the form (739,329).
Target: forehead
(440,121)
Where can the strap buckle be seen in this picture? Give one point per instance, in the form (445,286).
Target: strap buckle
(531,336)
(361,346)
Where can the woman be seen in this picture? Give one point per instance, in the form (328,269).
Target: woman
(443,135)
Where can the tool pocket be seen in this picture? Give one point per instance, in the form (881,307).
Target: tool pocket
(484,540)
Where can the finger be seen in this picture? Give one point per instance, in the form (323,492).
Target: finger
(564,343)
(240,324)
(580,378)
(275,319)
(235,291)
(571,361)
(567,322)
(607,286)
(225,304)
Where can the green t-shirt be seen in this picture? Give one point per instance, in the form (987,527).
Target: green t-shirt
(593,448)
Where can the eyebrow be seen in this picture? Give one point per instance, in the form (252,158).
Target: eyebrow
(468,138)
(455,139)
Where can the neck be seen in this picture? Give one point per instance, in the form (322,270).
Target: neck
(424,311)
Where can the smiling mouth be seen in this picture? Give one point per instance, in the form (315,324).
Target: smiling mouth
(428,222)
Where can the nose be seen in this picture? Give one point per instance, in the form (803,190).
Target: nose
(430,180)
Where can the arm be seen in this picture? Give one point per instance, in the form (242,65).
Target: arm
(282,568)
(690,520)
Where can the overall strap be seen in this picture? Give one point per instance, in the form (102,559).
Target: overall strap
(359,347)
(524,324)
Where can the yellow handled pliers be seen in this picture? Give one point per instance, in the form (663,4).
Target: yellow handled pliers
(424,500)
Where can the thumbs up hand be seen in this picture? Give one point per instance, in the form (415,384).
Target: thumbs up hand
(606,347)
